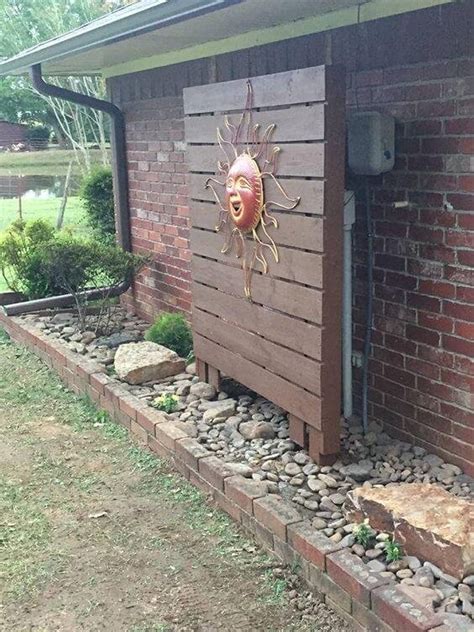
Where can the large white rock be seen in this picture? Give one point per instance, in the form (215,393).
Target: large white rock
(139,362)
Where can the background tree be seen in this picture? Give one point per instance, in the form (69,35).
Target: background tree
(24,23)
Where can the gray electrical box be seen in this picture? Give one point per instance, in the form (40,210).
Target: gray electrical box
(371,143)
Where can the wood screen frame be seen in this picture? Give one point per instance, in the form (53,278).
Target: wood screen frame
(286,344)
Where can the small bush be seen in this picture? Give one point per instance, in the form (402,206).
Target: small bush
(363,534)
(97,194)
(393,551)
(21,250)
(166,402)
(172,331)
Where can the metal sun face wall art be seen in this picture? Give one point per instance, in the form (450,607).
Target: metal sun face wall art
(244,213)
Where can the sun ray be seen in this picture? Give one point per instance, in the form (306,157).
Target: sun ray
(244,216)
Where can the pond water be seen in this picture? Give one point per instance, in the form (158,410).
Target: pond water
(37,187)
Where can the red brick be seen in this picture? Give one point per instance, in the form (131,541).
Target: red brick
(157,447)
(127,404)
(437,288)
(458,345)
(275,514)
(167,433)
(243,491)
(228,506)
(190,451)
(436,322)
(400,612)
(352,575)
(148,417)
(139,432)
(215,471)
(313,545)
(418,334)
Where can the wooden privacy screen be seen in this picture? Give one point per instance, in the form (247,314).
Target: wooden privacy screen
(285,344)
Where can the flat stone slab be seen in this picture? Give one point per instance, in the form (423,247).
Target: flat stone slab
(425,519)
(139,362)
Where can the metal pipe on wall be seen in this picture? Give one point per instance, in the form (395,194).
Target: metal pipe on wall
(119,162)
(349,219)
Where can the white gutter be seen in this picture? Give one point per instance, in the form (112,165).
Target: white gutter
(113,27)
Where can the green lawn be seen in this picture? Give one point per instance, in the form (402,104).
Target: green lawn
(45,209)
(52,162)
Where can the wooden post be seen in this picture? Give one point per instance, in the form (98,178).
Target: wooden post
(19,192)
(62,207)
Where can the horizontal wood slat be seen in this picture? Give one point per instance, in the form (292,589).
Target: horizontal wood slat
(297,232)
(295,86)
(285,343)
(298,159)
(279,360)
(285,296)
(307,123)
(294,265)
(285,394)
(311,192)
(280,328)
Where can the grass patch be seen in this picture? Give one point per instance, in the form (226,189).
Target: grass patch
(43,209)
(38,163)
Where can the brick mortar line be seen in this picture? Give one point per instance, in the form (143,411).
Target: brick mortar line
(365,599)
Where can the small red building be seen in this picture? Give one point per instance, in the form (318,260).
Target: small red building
(11,134)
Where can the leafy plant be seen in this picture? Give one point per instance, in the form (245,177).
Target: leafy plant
(97,195)
(21,259)
(172,331)
(393,551)
(166,402)
(363,534)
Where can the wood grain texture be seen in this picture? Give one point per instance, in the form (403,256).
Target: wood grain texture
(285,344)
(307,123)
(295,159)
(294,265)
(284,296)
(305,85)
(280,360)
(276,389)
(296,232)
(310,191)
(285,330)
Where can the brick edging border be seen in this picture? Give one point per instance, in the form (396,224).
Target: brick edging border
(365,599)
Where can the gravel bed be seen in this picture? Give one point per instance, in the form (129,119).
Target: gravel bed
(251,434)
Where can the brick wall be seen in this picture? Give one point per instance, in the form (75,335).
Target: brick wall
(421,371)
(419,68)
(160,223)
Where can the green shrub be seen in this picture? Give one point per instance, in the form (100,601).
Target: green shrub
(97,195)
(21,250)
(39,261)
(172,331)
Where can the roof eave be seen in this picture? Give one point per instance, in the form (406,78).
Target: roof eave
(148,19)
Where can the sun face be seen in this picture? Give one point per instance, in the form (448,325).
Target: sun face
(244,193)
(244,214)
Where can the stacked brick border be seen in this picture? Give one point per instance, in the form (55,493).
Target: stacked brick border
(367,600)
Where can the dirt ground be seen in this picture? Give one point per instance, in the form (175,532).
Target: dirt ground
(98,534)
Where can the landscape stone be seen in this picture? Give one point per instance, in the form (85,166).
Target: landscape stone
(216,414)
(120,338)
(425,519)
(203,390)
(257,430)
(140,362)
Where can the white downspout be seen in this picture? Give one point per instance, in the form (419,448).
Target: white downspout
(349,219)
